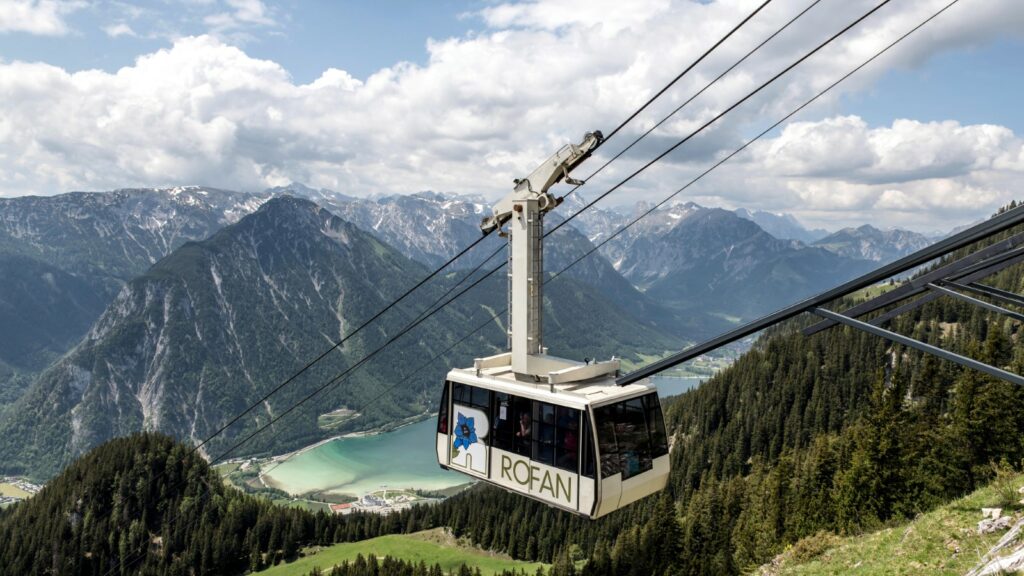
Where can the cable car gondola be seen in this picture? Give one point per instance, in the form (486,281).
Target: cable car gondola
(552,429)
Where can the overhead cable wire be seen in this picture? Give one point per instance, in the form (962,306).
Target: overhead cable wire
(693,181)
(423,281)
(644,106)
(635,173)
(649,130)
(461,253)
(646,133)
(687,70)
(428,310)
(723,113)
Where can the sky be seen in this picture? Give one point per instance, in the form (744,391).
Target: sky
(400,96)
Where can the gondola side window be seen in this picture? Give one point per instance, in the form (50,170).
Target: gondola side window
(630,435)
(587,443)
(503,435)
(656,425)
(442,413)
(556,436)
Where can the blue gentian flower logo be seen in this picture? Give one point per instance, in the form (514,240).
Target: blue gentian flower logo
(465,432)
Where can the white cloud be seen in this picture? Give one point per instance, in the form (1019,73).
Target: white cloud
(489,106)
(845,148)
(120,29)
(43,17)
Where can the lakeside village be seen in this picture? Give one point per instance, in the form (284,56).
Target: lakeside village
(14,489)
(382,502)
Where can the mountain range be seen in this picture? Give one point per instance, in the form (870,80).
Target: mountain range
(214,325)
(172,309)
(869,243)
(782,226)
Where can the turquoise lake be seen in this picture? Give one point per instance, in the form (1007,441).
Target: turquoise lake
(403,458)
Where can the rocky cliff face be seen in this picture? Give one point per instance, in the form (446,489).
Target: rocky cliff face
(110,237)
(65,257)
(430,227)
(711,260)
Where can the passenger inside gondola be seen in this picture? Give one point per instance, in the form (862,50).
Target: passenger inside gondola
(524,432)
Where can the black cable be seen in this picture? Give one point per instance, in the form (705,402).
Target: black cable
(479,240)
(423,318)
(687,70)
(651,129)
(420,320)
(693,181)
(697,94)
(723,113)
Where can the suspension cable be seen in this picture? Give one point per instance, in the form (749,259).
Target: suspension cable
(662,202)
(640,170)
(636,140)
(474,244)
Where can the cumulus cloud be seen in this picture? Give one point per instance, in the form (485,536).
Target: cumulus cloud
(846,148)
(487,107)
(43,17)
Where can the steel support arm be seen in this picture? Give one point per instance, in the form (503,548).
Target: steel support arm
(918,345)
(963,267)
(930,296)
(971,300)
(995,293)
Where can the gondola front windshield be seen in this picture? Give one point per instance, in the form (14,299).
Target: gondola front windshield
(630,435)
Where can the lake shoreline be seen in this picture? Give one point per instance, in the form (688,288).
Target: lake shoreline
(383,429)
(278,472)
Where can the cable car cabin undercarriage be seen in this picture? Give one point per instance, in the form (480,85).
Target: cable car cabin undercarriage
(559,431)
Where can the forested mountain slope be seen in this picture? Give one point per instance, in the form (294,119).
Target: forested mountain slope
(142,504)
(842,431)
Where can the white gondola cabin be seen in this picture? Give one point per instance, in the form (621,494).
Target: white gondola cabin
(588,447)
(556,430)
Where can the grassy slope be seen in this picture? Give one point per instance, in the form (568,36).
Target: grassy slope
(12,490)
(925,545)
(431,546)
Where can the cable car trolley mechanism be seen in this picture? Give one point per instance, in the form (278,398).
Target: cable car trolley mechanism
(556,430)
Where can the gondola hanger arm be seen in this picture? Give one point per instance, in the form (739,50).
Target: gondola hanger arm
(535,186)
